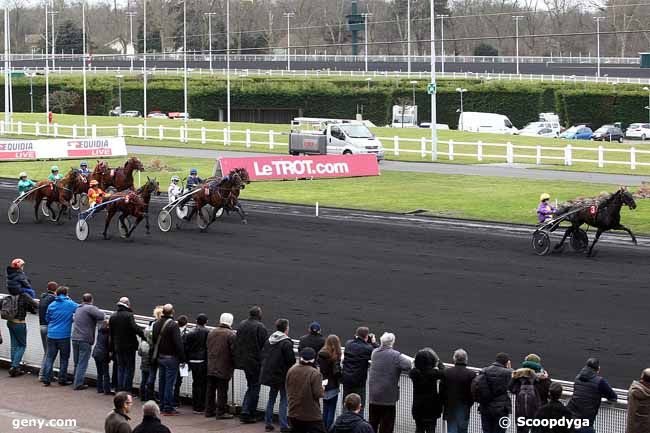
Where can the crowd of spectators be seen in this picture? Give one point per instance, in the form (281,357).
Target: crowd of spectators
(308,387)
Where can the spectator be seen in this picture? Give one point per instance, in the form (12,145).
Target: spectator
(457,392)
(221,365)
(46,300)
(182,326)
(426,375)
(17,281)
(196,348)
(123,335)
(144,352)
(356,362)
(169,353)
(153,369)
(314,339)
(387,365)
(86,318)
(118,420)
(638,405)
(151,420)
(14,311)
(351,420)
(251,337)
(277,359)
(304,391)
(530,385)
(490,389)
(102,357)
(330,367)
(588,389)
(59,328)
(554,409)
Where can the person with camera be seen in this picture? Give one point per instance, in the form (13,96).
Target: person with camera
(356,363)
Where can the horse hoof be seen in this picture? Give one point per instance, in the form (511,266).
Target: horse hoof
(244,222)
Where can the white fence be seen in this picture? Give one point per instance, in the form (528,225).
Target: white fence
(412,148)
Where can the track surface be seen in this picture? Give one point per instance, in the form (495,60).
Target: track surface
(431,285)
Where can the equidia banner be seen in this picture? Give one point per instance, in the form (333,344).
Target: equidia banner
(100,147)
(293,167)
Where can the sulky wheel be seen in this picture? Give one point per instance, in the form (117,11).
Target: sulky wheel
(182,211)
(579,240)
(81,230)
(44,210)
(124,229)
(204,216)
(74,203)
(13,213)
(164,221)
(541,243)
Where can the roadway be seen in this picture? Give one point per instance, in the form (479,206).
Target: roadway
(437,283)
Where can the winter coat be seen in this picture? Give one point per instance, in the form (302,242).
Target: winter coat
(638,408)
(330,369)
(102,349)
(350,422)
(251,337)
(277,359)
(169,342)
(315,341)
(356,362)
(85,323)
(387,365)
(588,389)
(144,352)
(123,330)
(25,304)
(196,345)
(457,389)
(117,423)
(59,317)
(17,281)
(304,391)
(553,410)
(494,385)
(426,377)
(46,299)
(151,424)
(523,376)
(221,349)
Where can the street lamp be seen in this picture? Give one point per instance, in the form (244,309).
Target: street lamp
(47,76)
(408,35)
(83,42)
(52,13)
(517,18)
(598,19)
(31,90)
(131,14)
(368,80)
(647,89)
(461,91)
(442,42)
(185,112)
(289,15)
(119,91)
(365,16)
(144,64)
(434,132)
(210,15)
(413,83)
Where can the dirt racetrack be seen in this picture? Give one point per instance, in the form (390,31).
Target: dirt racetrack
(432,286)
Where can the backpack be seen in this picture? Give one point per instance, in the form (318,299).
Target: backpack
(481,389)
(527,400)
(9,308)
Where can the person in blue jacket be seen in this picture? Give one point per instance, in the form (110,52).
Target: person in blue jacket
(194,179)
(83,169)
(59,329)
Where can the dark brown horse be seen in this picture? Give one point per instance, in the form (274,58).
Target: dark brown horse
(233,204)
(604,215)
(60,192)
(131,203)
(219,193)
(119,178)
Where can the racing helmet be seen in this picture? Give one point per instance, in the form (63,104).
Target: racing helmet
(22,174)
(54,168)
(193,171)
(17,263)
(83,164)
(175,178)
(93,182)
(544,196)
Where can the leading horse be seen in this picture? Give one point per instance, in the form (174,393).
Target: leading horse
(60,192)
(131,203)
(119,178)
(219,193)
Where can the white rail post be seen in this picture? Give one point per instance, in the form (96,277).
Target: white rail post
(423,146)
(120,130)
(248,138)
(538,155)
(74,131)
(601,157)
(203,135)
(451,150)
(93,130)
(479,151)
(161,132)
(19,126)
(632,158)
(181,136)
(396,145)
(37,129)
(509,153)
(271,140)
(56,130)
(568,157)
(140,130)
(225,136)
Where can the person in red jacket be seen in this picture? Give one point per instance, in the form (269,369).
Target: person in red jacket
(95,194)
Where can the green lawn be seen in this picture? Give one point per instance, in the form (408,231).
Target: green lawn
(473,197)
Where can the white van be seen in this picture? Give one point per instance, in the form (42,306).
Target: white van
(485,122)
(405,117)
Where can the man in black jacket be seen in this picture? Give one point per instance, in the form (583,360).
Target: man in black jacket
(151,420)
(251,336)
(123,333)
(195,349)
(457,392)
(554,409)
(46,299)
(314,339)
(351,420)
(490,389)
(588,389)
(356,361)
(168,352)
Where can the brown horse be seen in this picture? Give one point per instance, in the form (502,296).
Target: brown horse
(219,193)
(119,178)
(131,203)
(60,192)
(233,204)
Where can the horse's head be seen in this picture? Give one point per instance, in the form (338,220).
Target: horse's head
(153,186)
(101,167)
(134,163)
(627,198)
(242,173)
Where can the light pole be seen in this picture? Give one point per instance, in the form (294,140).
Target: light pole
(442,42)
(52,13)
(289,15)
(131,14)
(434,133)
(408,35)
(210,15)
(517,18)
(83,42)
(185,112)
(413,83)
(119,91)
(227,69)
(31,91)
(365,16)
(47,76)
(598,19)
(647,89)
(144,64)
(7,73)
(461,91)
(368,80)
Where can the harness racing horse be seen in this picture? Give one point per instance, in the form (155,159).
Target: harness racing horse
(132,203)
(119,178)
(58,192)
(233,204)
(604,216)
(218,194)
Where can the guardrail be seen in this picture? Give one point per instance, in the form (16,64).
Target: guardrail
(611,417)
(272,141)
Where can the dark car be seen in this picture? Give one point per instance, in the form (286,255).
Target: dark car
(608,133)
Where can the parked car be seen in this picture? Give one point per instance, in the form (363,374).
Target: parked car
(638,130)
(131,113)
(534,129)
(577,132)
(608,133)
(158,115)
(115,111)
(177,115)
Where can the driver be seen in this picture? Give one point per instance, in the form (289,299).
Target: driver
(544,211)
(24,184)
(194,179)
(95,194)
(83,169)
(174,190)
(54,176)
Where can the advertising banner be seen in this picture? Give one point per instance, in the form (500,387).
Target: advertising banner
(100,147)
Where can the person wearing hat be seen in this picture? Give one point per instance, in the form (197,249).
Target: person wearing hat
(54,176)
(96,195)
(589,388)
(530,385)
(193,180)
(174,190)
(544,211)
(24,184)
(304,391)
(314,339)
(17,281)
(83,169)
(196,347)
(221,366)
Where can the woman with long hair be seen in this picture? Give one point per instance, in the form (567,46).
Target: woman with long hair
(329,361)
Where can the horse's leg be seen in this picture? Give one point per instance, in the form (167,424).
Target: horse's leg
(63,209)
(121,219)
(146,219)
(137,221)
(37,205)
(598,233)
(622,227)
(110,213)
(48,203)
(241,212)
(566,235)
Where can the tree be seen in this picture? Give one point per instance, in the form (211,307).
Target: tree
(61,100)
(69,37)
(485,50)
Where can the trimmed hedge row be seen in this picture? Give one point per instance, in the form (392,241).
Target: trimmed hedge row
(338,98)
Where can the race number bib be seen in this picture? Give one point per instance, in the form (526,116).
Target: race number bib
(593,210)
